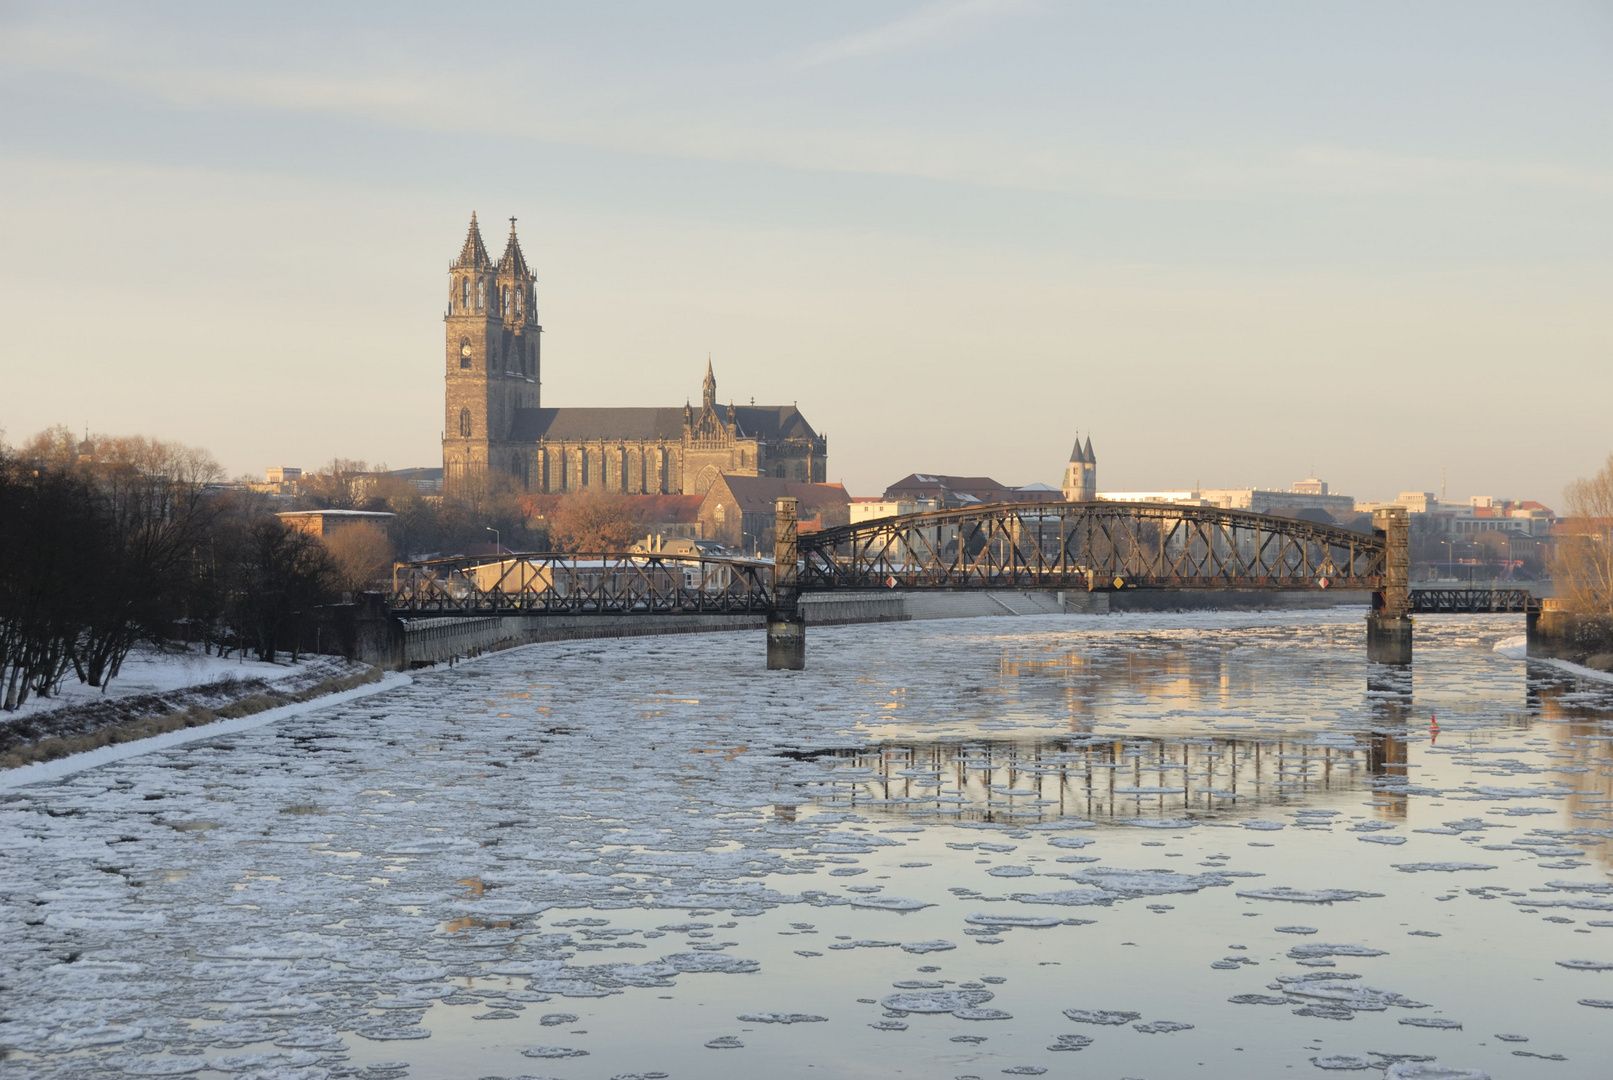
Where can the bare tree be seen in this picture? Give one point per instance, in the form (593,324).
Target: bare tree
(1583,568)
(591,521)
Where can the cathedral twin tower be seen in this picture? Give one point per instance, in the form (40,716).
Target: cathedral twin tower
(494,420)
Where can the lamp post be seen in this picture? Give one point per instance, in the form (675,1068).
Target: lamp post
(498,543)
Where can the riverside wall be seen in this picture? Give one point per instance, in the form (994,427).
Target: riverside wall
(1560,634)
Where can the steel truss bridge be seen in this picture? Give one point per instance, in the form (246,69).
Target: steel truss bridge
(1472,600)
(1090,546)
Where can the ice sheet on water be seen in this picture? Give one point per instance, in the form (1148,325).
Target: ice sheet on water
(711,962)
(1342,1062)
(1158,823)
(935,1001)
(1349,995)
(1418,1070)
(1307,896)
(1295,929)
(920,947)
(1112,1017)
(1259,825)
(865,943)
(1161,1027)
(1073,1041)
(1148,882)
(889,903)
(781,1018)
(1313,949)
(1440,867)
(1071,841)
(1392,841)
(1063,898)
(1011,871)
(1438,1023)
(981,918)
(158,1066)
(1597,1003)
(1586,965)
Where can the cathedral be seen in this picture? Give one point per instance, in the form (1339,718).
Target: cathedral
(495,419)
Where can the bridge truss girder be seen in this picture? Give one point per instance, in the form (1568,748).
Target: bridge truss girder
(1091,546)
(550,583)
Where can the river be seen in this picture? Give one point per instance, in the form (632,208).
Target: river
(1144,845)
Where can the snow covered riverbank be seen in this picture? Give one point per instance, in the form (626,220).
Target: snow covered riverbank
(161,693)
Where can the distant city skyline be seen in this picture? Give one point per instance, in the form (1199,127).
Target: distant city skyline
(1237,245)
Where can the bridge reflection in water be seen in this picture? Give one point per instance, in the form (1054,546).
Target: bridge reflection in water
(1024,781)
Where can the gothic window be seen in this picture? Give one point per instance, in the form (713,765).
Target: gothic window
(464,294)
(464,423)
(481,294)
(520,306)
(800,470)
(778,470)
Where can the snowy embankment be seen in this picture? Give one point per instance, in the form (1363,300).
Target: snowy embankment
(1517,648)
(66,766)
(163,693)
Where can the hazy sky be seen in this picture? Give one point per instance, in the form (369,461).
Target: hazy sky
(1232,241)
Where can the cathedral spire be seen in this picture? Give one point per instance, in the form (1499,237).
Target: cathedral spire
(708,388)
(513,261)
(474,253)
(1088,456)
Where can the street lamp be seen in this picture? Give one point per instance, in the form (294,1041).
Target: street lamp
(498,544)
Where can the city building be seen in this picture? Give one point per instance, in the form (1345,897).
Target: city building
(740,512)
(1480,514)
(872,508)
(1308,494)
(953,492)
(328,522)
(494,417)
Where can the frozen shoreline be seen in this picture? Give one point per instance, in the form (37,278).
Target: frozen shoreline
(39,772)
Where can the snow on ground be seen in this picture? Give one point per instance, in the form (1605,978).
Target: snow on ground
(955,849)
(148,671)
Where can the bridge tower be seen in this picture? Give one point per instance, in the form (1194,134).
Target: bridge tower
(1389,625)
(1081,474)
(786,629)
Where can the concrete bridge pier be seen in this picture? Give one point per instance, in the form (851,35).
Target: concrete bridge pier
(1389,625)
(786,630)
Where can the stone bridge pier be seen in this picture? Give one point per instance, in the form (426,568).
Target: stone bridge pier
(786,630)
(1389,625)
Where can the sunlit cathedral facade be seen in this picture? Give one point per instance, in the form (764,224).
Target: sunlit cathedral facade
(495,420)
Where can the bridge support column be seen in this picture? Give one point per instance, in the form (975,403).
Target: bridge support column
(1389,625)
(786,629)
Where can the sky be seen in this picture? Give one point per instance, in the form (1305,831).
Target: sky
(1235,243)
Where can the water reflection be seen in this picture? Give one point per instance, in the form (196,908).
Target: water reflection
(1029,780)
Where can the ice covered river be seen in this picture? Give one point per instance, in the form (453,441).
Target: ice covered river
(1152,846)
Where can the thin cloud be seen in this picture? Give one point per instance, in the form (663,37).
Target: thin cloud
(925,26)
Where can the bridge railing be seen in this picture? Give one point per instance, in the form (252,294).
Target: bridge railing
(610,583)
(1097,545)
